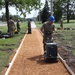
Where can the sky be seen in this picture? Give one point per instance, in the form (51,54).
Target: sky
(12,10)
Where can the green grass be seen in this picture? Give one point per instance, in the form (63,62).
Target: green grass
(16,37)
(9,44)
(66,37)
(4,56)
(71,24)
(65,24)
(39,24)
(3,28)
(73,52)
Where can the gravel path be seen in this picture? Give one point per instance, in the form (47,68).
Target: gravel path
(30,59)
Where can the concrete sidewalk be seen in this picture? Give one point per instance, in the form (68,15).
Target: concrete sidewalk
(33,25)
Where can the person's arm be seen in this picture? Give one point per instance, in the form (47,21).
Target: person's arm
(14,25)
(42,28)
(53,28)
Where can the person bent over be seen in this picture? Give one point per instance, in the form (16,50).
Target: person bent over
(11,27)
(47,29)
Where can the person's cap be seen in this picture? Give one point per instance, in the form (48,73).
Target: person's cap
(31,19)
(52,19)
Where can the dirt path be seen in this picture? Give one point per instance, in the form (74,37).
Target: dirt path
(30,59)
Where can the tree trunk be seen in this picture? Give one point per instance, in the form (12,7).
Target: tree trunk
(7,13)
(68,11)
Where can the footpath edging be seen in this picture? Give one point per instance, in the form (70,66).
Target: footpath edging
(66,66)
(8,70)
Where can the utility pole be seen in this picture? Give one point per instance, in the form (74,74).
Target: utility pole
(68,11)
(39,11)
(51,7)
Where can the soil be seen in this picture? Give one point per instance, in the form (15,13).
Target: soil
(65,52)
(66,55)
(30,59)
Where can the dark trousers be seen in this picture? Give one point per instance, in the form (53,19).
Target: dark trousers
(46,38)
(29,31)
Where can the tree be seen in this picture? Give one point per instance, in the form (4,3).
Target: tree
(57,10)
(3,17)
(21,5)
(63,7)
(66,5)
(70,10)
(45,13)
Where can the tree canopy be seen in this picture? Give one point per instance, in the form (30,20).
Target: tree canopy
(45,12)
(63,8)
(21,5)
(57,10)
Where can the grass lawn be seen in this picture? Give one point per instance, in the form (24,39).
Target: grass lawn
(9,44)
(66,37)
